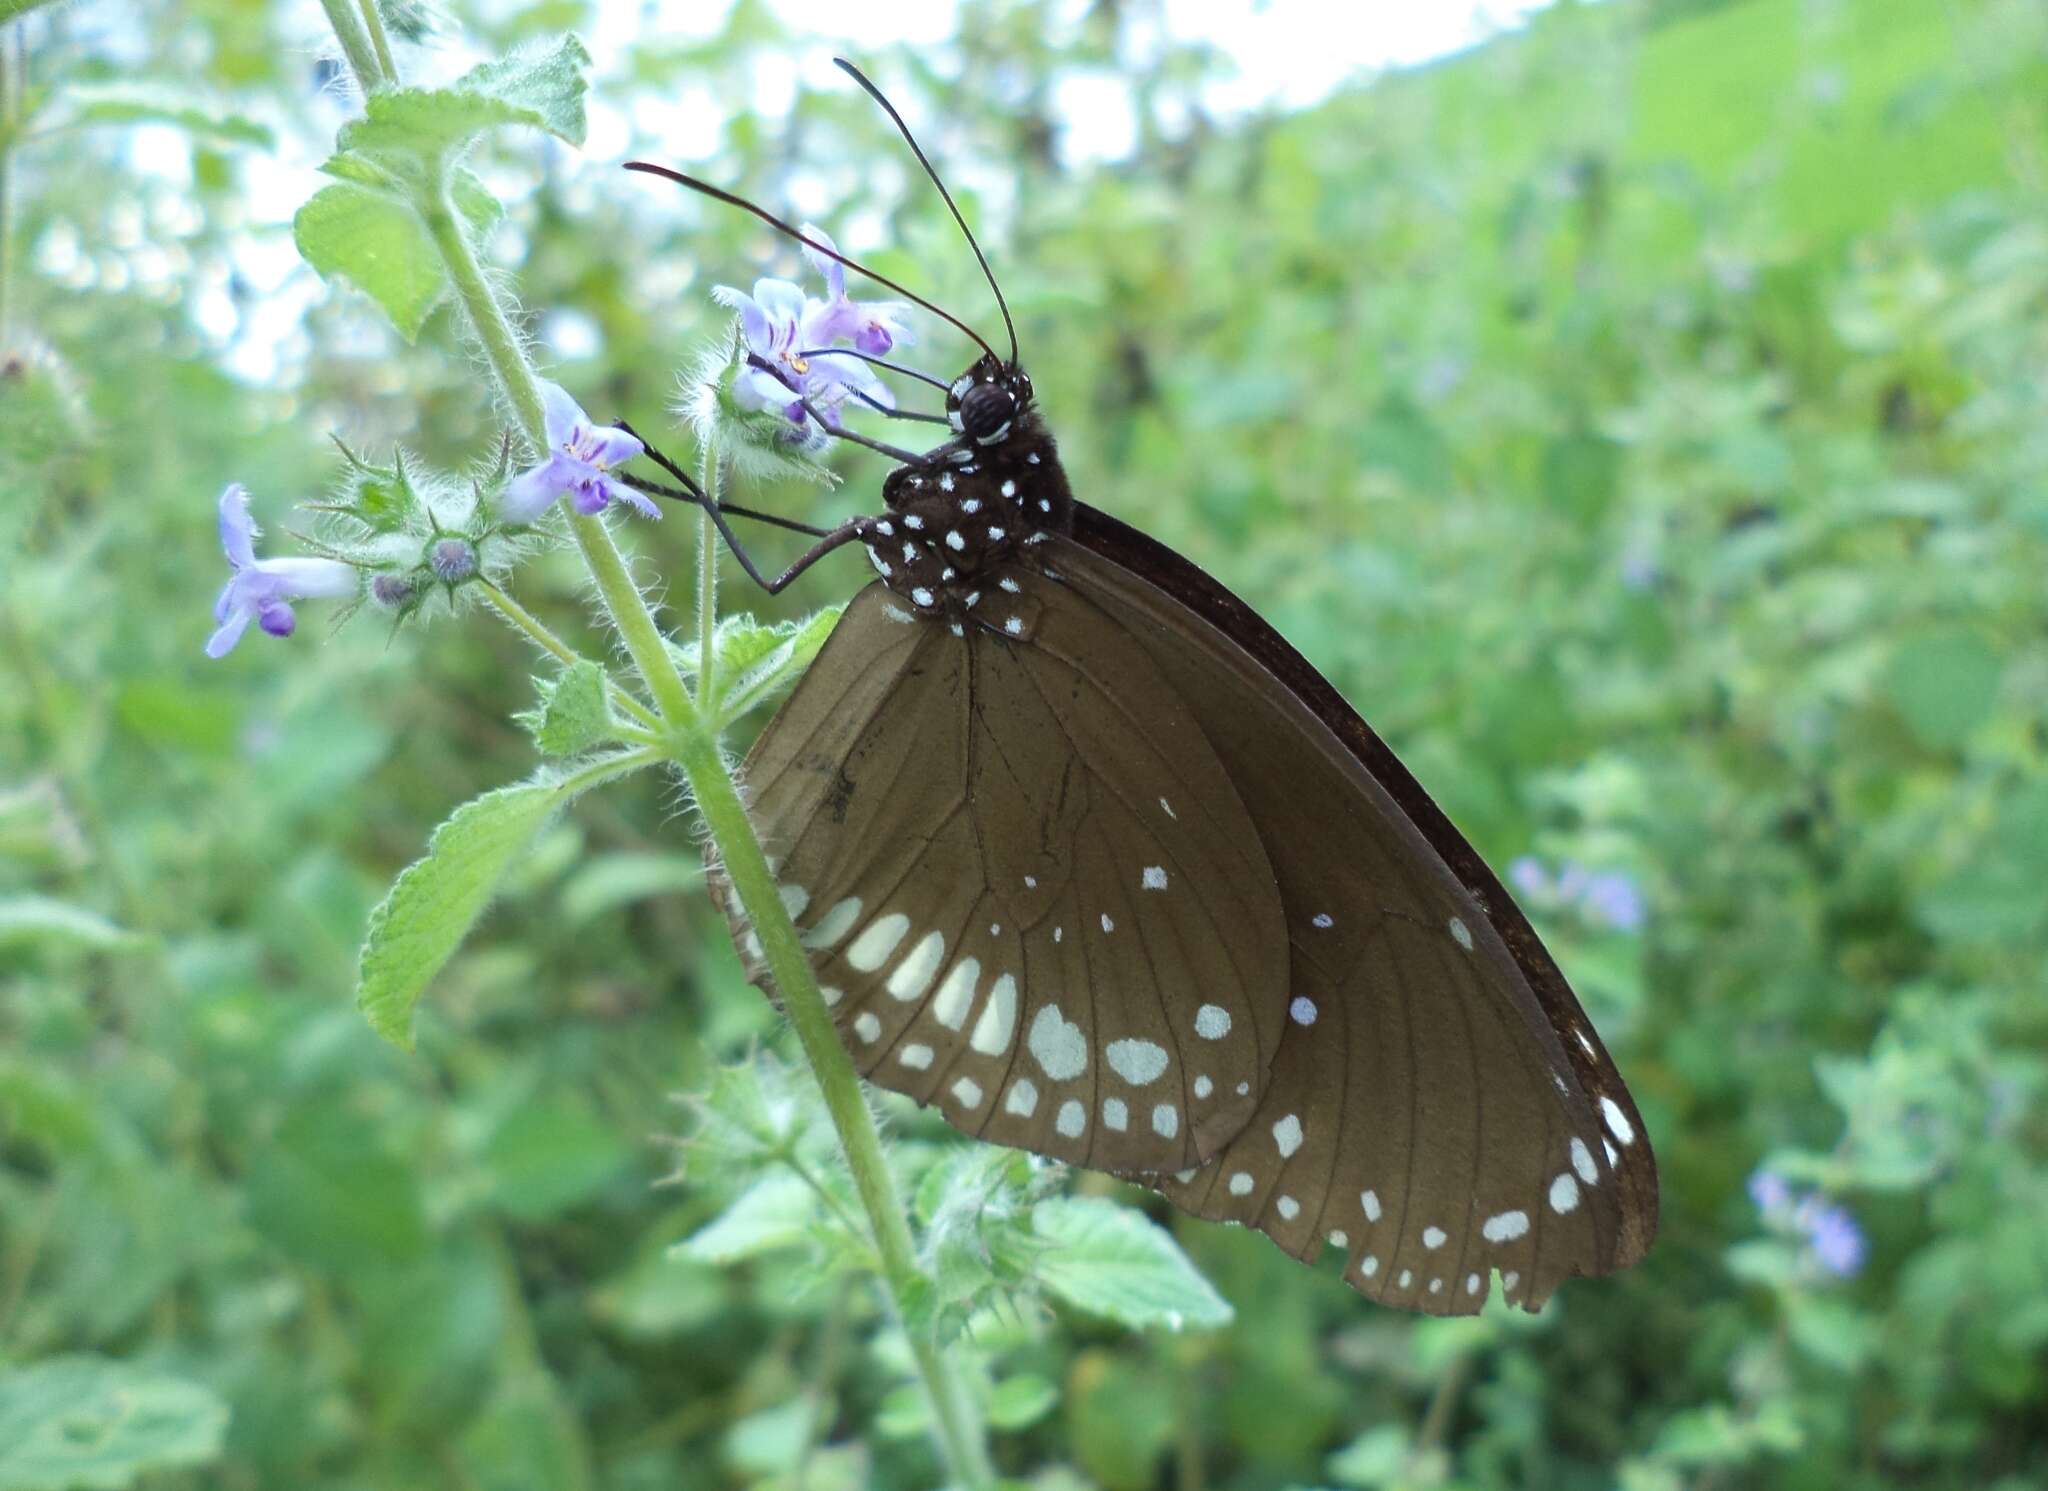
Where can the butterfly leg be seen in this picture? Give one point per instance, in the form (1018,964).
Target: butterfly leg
(694,494)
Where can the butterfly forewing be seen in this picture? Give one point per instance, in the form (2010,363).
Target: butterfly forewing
(1033,895)
(1438,1106)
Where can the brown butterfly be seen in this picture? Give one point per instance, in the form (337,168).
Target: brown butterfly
(1091,860)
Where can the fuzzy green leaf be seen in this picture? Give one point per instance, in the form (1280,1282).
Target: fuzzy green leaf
(378,243)
(574,715)
(156,103)
(1020,1402)
(433,904)
(778,1211)
(1111,1261)
(758,662)
(403,127)
(89,1423)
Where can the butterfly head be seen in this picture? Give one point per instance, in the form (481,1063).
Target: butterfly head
(984,402)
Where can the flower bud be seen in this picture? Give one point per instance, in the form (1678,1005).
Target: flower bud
(452,559)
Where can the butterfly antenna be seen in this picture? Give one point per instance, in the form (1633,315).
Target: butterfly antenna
(918,150)
(719,194)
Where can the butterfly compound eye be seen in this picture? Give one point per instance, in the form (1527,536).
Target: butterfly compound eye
(987,408)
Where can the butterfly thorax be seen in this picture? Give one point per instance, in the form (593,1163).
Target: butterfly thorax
(968,507)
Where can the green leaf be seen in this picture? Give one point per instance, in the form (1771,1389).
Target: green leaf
(574,714)
(1111,1261)
(156,103)
(613,880)
(778,1211)
(551,1155)
(1020,1402)
(406,127)
(90,1423)
(435,902)
(1943,684)
(378,243)
(758,662)
(1378,1457)
(325,1193)
(29,920)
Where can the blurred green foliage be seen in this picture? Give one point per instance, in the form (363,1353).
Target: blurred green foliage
(1644,419)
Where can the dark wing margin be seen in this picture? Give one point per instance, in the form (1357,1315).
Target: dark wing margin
(1514,1071)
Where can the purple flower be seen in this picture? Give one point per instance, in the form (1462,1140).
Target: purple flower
(1836,1239)
(579,455)
(1610,896)
(452,559)
(873,326)
(262,590)
(1528,875)
(1768,1190)
(779,323)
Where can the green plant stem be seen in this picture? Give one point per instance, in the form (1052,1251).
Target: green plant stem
(380,44)
(695,750)
(713,481)
(355,45)
(725,816)
(10,126)
(524,621)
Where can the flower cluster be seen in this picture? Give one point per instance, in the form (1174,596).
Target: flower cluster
(399,540)
(1830,1233)
(1605,898)
(780,325)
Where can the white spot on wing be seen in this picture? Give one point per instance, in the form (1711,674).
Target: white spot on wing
(1584,1163)
(834,924)
(1303,1010)
(1287,1134)
(1203,1086)
(1324,920)
(1461,934)
(1433,1238)
(871,949)
(866,1026)
(1115,1115)
(917,1056)
(1288,1208)
(1564,1194)
(1212,1022)
(1136,1061)
(1241,1183)
(1168,807)
(1166,1120)
(1022,1099)
(1505,1227)
(968,1091)
(1369,1265)
(1370,1200)
(998,1020)
(1107,924)
(956,995)
(1154,878)
(919,967)
(1617,1121)
(794,899)
(1072,1119)
(1058,1044)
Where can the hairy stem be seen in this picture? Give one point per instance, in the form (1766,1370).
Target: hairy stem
(718,799)
(355,45)
(713,481)
(380,44)
(691,744)
(538,631)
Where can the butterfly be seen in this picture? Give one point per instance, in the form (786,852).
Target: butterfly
(1092,861)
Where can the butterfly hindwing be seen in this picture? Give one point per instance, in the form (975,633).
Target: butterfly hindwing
(1438,1106)
(1030,889)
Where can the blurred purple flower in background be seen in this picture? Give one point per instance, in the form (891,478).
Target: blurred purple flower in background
(579,455)
(1607,898)
(262,590)
(1832,1237)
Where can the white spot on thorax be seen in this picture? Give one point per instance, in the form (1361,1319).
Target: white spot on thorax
(1212,1022)
(1014,626)
(871,949)
(971,505)
(922,596)
(912,520)
(1010,585)
(954,540)
(1009,489)
(1287,1134)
